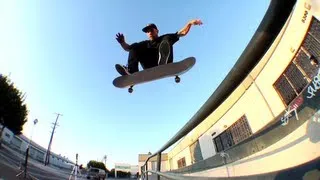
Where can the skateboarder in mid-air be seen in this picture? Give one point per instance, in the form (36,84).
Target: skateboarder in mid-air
(158,50)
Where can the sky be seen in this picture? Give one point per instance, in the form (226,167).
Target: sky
(62,54)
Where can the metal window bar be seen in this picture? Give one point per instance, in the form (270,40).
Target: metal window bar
(312,45)
(315,28)
(291,83)
(303,61)
(296,78)
(285,90)
(240,130)
(236,133)
(218,144)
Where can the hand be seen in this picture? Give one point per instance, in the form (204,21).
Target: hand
(120,38)
(196,22)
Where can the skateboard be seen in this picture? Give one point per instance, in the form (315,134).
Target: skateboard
(155,73)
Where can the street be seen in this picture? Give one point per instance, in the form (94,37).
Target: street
(10,163)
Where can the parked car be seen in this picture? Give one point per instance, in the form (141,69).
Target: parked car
(96,173)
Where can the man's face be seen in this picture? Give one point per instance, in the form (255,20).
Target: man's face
(152,33)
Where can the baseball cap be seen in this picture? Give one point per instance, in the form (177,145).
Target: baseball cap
(149,26)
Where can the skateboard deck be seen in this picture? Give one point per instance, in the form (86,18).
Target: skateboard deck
(155,73)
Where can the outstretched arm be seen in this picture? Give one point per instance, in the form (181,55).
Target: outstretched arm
(184,31)
(122,42)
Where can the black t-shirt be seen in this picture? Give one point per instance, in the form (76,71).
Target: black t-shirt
(151,47)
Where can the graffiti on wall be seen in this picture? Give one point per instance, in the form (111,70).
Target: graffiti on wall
(314,86)
(291,111)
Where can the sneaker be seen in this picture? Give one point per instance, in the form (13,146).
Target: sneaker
(123,70)
(164,53)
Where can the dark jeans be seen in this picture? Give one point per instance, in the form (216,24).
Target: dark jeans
(148,58)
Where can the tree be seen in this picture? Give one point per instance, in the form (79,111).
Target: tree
(112,173)
(97,164)
(13,111)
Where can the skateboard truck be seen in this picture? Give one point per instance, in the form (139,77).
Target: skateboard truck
(177,79)
(130,90)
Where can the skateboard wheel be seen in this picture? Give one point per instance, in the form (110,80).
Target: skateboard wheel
(130,90)
(177,79)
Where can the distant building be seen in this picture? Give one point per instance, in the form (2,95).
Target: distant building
(133,169)
(19,143)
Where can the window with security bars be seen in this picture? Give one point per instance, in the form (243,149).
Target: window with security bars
(291,83)
(240,130)
(181,162)
(312,40)
(295,78)
(302,68)
(312,45)
(236,133)
(218,144)
(303,61)
(315,28)
(284,89)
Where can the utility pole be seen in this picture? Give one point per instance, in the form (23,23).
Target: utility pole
(47,158)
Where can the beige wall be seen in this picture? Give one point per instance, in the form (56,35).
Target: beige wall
(207,123)
(256,96)
(183,154)
(164,162)
(292,39)
(250,104)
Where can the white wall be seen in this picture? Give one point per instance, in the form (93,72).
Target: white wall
(7,135)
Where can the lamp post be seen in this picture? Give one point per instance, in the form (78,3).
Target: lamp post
(27,151)
(105,159)
(34,123)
